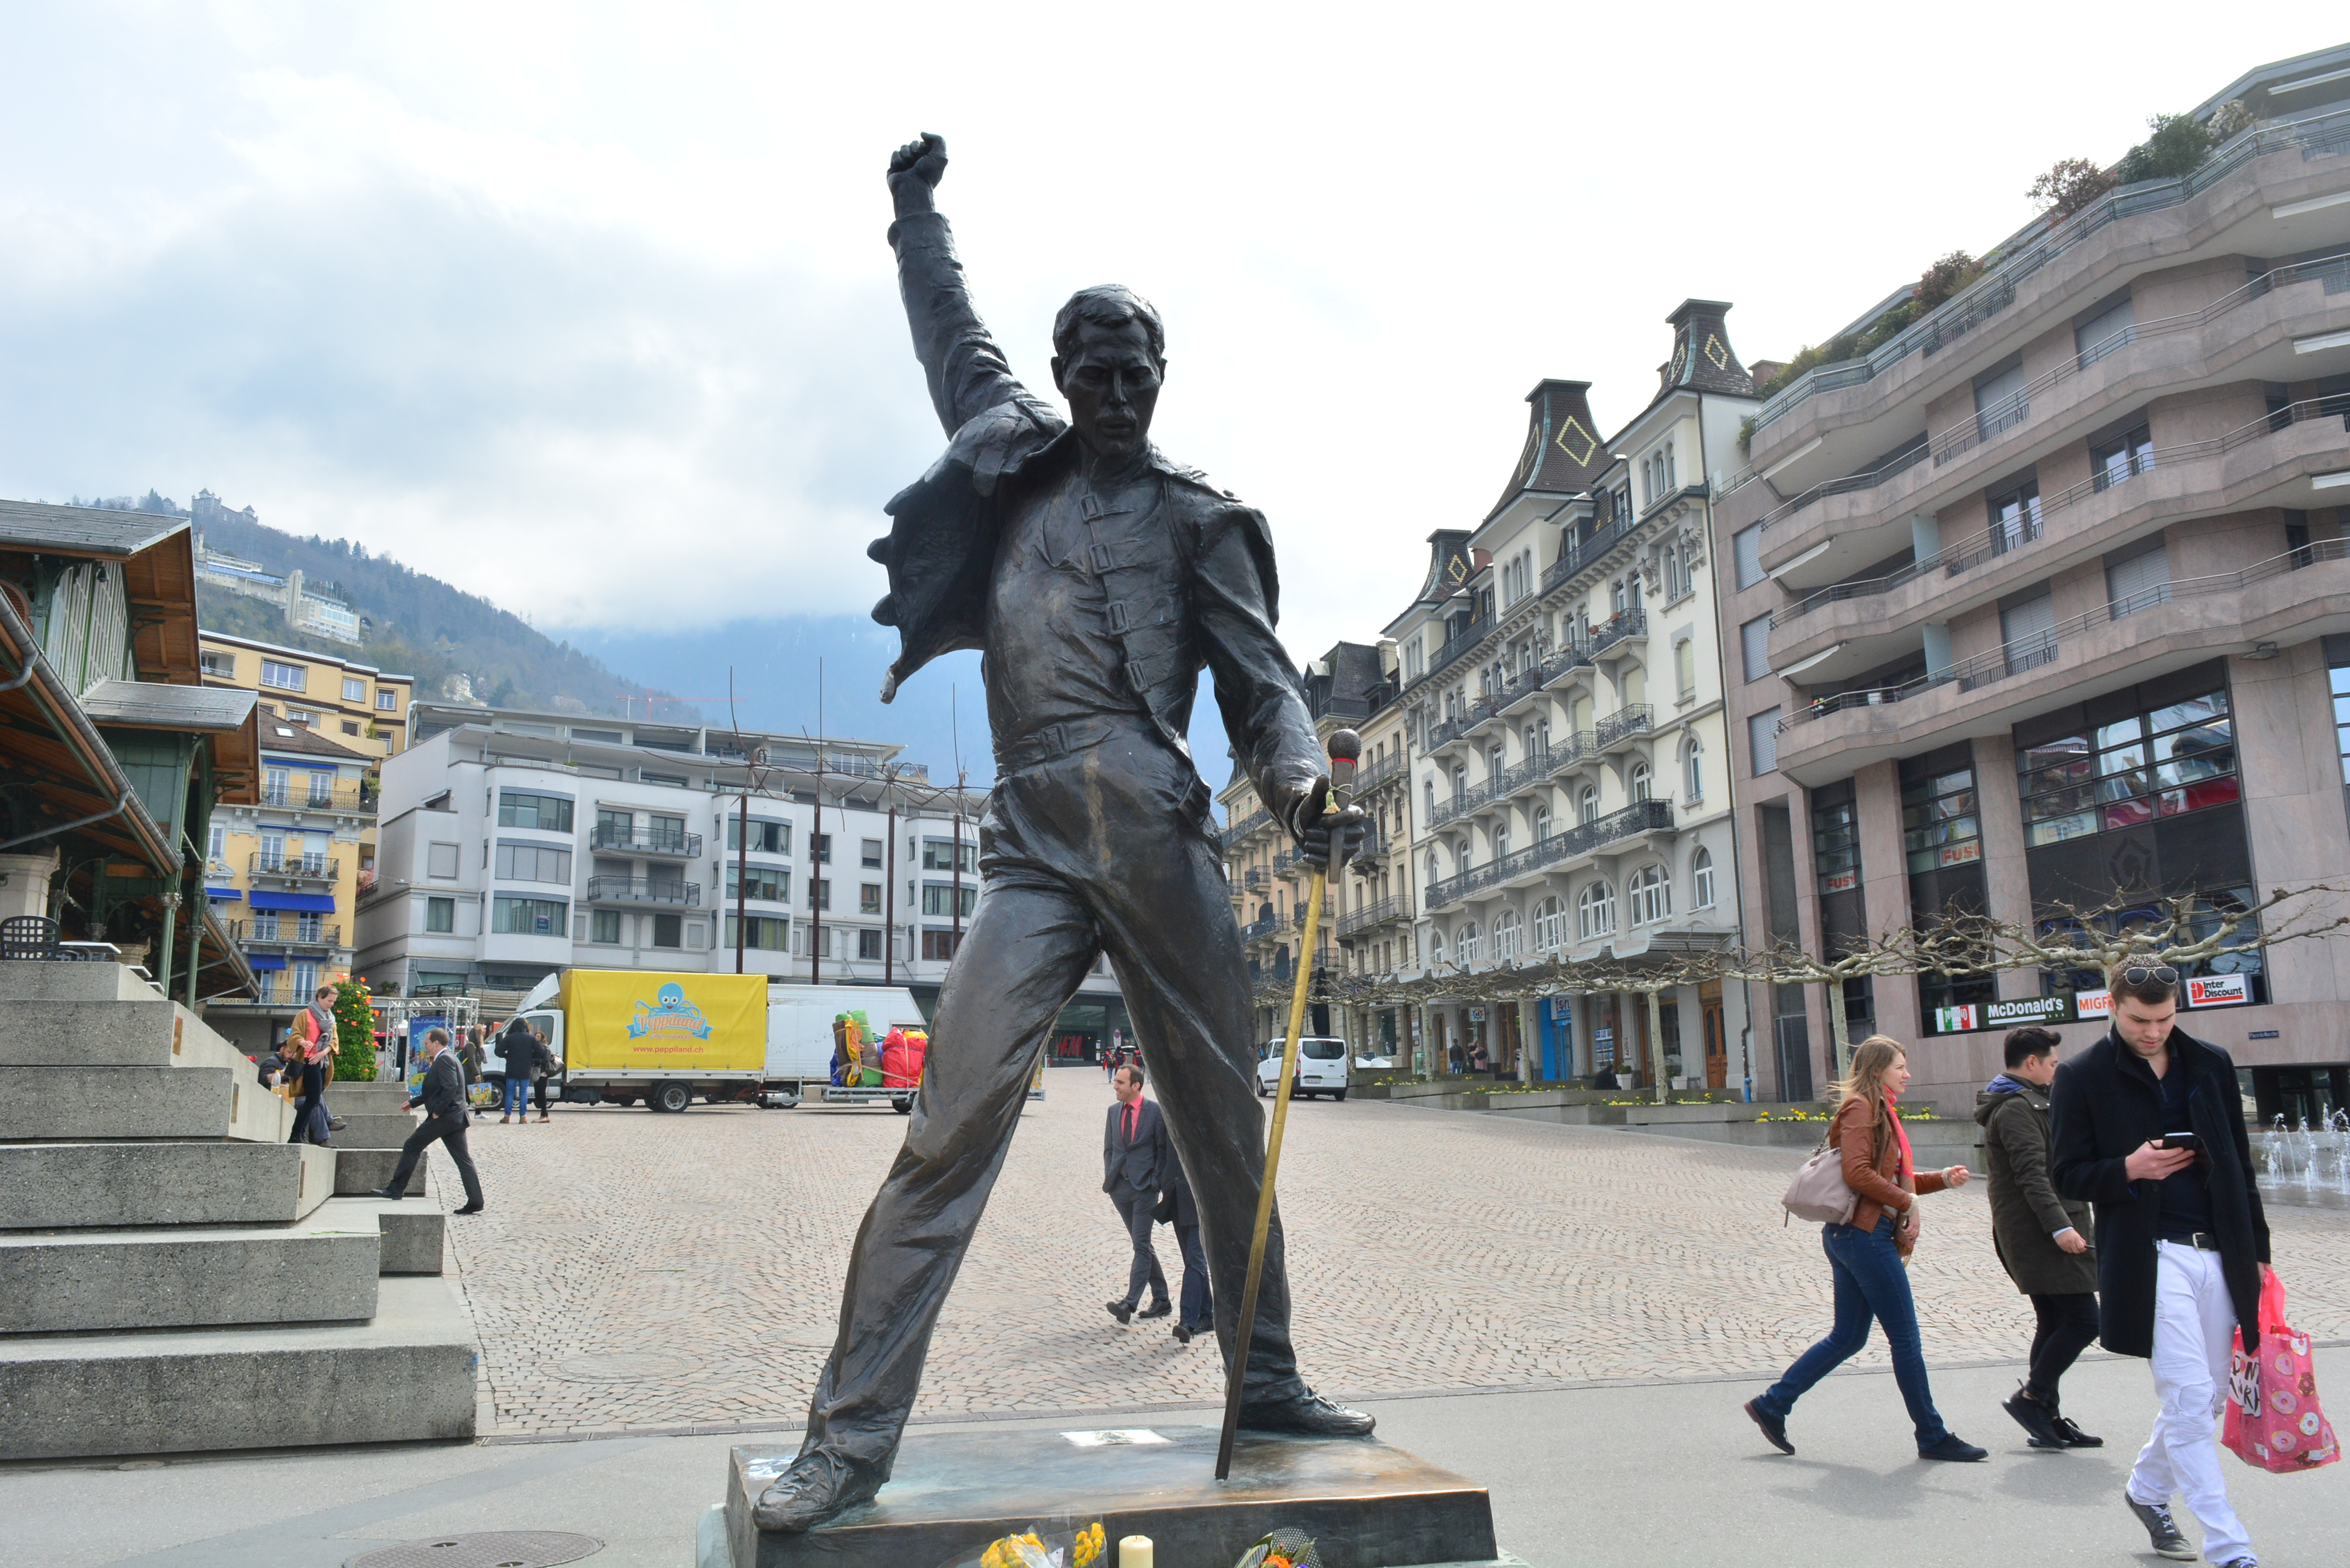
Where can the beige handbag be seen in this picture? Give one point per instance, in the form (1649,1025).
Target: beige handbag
(1819,1191)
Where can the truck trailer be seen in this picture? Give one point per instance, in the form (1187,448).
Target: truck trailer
(667,1039)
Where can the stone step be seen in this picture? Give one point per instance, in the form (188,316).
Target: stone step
(374,1099)
(412,1233)
(361,1130)
(321,1268)
(147,1032)
(74,1186)
(39,979)
(359,1172)
(405,1375)
(90,1103)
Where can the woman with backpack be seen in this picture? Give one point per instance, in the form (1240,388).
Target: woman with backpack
(1868,1258)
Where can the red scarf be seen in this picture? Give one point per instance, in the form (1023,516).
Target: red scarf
(1900,1135)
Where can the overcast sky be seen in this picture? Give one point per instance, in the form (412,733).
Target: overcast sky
(588,310)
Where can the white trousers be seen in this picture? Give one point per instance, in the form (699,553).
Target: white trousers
(2194,1342)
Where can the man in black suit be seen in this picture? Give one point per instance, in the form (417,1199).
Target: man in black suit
(443,1095)
(1137,1162)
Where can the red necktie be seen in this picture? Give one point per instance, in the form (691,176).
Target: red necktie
(1133,1114)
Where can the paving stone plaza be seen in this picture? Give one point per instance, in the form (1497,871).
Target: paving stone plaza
(639,1272)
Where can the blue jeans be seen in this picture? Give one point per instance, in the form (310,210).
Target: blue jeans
(1870,1282)
(517,1100)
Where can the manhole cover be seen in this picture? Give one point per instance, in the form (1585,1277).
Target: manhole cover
(622,1367)
(497,1549)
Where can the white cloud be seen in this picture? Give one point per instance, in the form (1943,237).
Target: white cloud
(575,306)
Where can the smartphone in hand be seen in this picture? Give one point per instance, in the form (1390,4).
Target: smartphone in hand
(2187,1140)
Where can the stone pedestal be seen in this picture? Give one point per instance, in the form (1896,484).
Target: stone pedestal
(952,1493)
(24,883)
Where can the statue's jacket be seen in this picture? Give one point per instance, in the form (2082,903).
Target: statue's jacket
(1196,591)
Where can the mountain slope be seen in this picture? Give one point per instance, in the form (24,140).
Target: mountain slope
(454,643)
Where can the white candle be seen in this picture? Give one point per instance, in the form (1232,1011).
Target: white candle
(1134,1551)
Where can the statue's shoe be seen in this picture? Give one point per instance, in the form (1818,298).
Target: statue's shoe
(817,1485)
(1306,1413)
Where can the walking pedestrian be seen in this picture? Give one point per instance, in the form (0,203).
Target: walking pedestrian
(443,1095)
(306,1075)
(1197,1314)
(1868,1257)
(2148,1127)
(518,1049)
(2042,1240)
(1135,1159)
(321,1040)
(544,1070)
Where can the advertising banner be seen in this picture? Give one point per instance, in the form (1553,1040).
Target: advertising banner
(637,1020)
(2218,991)
(2029,1010)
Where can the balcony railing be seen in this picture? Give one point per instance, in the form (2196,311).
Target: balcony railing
(2318,136)
(1262,927)
(1372,775)
(1257,879)
(1297,916)
(1370,915)
(2041,647)
(1479,711)
(1640,817)
(1623,724)
(1283,862)
(1570,749)
(2015,535)
(1623,624)
(1576,558)
(1372,847)
(1442,735)
(1244,826)
(2331,273)
(288,933)
(311,866)
(668,843)
(320,794)
(1468,638)
(641,890)
(1462,803)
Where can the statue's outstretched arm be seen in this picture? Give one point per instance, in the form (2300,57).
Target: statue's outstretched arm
(967,372)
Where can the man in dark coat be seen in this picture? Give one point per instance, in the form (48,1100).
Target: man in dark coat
(443,1095)
(1099,578)
(2149,1128)
(2042,1239)
(1176,1208)
(1136,1162)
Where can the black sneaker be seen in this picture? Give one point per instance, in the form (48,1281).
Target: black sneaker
(2161,1531)
(2038,1421)
(1773,1427)
(2074,1437)
(1955,1448)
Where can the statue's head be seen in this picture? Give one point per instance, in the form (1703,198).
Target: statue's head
(1109,355)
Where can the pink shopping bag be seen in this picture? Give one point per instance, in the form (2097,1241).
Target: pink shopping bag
(2275,1421)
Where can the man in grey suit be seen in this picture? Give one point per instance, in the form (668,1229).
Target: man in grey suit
(1137,1162)
(443,1095)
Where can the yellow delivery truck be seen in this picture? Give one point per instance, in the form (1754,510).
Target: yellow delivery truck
(663,1038)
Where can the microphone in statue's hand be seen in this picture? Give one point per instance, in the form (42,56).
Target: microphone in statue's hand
(1326,837)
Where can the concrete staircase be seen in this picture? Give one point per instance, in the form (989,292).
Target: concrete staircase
(174,1276)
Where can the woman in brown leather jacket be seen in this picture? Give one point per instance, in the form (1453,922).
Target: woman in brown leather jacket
(1868,1257)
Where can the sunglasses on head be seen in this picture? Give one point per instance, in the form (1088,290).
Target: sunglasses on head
(2149,974)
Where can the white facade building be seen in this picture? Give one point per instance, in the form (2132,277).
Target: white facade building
(515,843)
(1561,676)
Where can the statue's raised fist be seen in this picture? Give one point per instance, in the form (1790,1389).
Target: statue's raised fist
(915,171)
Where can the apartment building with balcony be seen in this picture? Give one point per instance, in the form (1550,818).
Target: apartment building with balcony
(1562,687)
(358,705)
(515,843)
(1366,910)
(2046,598)
(284,874)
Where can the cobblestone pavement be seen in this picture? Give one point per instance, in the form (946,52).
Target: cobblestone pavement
(647,1271)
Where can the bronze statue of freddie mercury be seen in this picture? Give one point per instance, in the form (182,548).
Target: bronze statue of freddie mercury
(1099,578)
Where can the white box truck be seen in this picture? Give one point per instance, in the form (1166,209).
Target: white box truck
(667,1039)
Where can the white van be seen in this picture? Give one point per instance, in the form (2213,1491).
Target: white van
(1321,1068)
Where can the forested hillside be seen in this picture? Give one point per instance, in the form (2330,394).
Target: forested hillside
(454,643)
